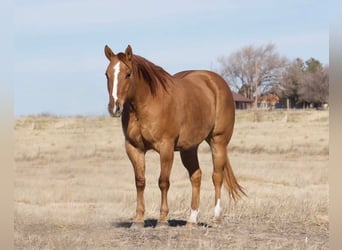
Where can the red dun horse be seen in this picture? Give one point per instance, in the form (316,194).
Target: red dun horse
(172,113)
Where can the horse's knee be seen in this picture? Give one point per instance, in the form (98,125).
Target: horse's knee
(140,183)
(196,176)
(164,183)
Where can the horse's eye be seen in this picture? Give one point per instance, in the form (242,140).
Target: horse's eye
(128,75)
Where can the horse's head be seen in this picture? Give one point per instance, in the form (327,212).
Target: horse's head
(119,79)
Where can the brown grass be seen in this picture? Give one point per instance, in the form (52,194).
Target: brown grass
(74,187)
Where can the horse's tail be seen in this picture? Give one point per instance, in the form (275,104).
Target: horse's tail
(234,188)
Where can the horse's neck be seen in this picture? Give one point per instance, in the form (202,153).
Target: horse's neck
(144,101)
(142,94)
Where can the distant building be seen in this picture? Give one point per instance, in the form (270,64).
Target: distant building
(242,102)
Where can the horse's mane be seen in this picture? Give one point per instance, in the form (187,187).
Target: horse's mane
(155,76)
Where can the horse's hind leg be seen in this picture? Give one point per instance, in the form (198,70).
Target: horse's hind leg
(219,154)
(190,161)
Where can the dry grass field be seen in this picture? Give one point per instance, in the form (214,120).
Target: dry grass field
(74,187)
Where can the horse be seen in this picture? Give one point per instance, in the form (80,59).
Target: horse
(168,113)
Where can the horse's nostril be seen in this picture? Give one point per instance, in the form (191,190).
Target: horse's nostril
(117,112)
(110,110)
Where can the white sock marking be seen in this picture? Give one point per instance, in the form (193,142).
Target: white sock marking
(193,216)
(218,208)
(116,81)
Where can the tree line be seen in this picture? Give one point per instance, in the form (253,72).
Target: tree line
(256,70)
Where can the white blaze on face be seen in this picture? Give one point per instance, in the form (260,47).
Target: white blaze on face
(116,81)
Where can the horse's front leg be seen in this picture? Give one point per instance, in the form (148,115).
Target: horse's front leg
(166,160)
(137,157)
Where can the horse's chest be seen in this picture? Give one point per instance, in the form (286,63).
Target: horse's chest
(142,136)
(132,133)
(136,134)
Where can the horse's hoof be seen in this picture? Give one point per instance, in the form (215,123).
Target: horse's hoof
(137,225)
(162,224)
(217,222)
(190,224)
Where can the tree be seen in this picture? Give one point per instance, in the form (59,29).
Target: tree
(313,65)
(252,68)
(292,78)
(305,83)
(314,88)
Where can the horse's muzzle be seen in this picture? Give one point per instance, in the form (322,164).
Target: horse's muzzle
(114,112)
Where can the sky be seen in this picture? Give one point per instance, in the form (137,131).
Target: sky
(58,58)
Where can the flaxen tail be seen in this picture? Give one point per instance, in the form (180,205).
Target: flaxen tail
(234,188)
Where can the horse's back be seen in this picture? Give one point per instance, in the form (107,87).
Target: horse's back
(208,81)
(209,91)
(210,78)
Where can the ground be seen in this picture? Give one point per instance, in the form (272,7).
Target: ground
(74,187)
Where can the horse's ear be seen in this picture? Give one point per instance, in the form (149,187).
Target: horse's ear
(129,53)
(108,52)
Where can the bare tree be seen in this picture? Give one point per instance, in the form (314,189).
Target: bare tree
(253,69)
